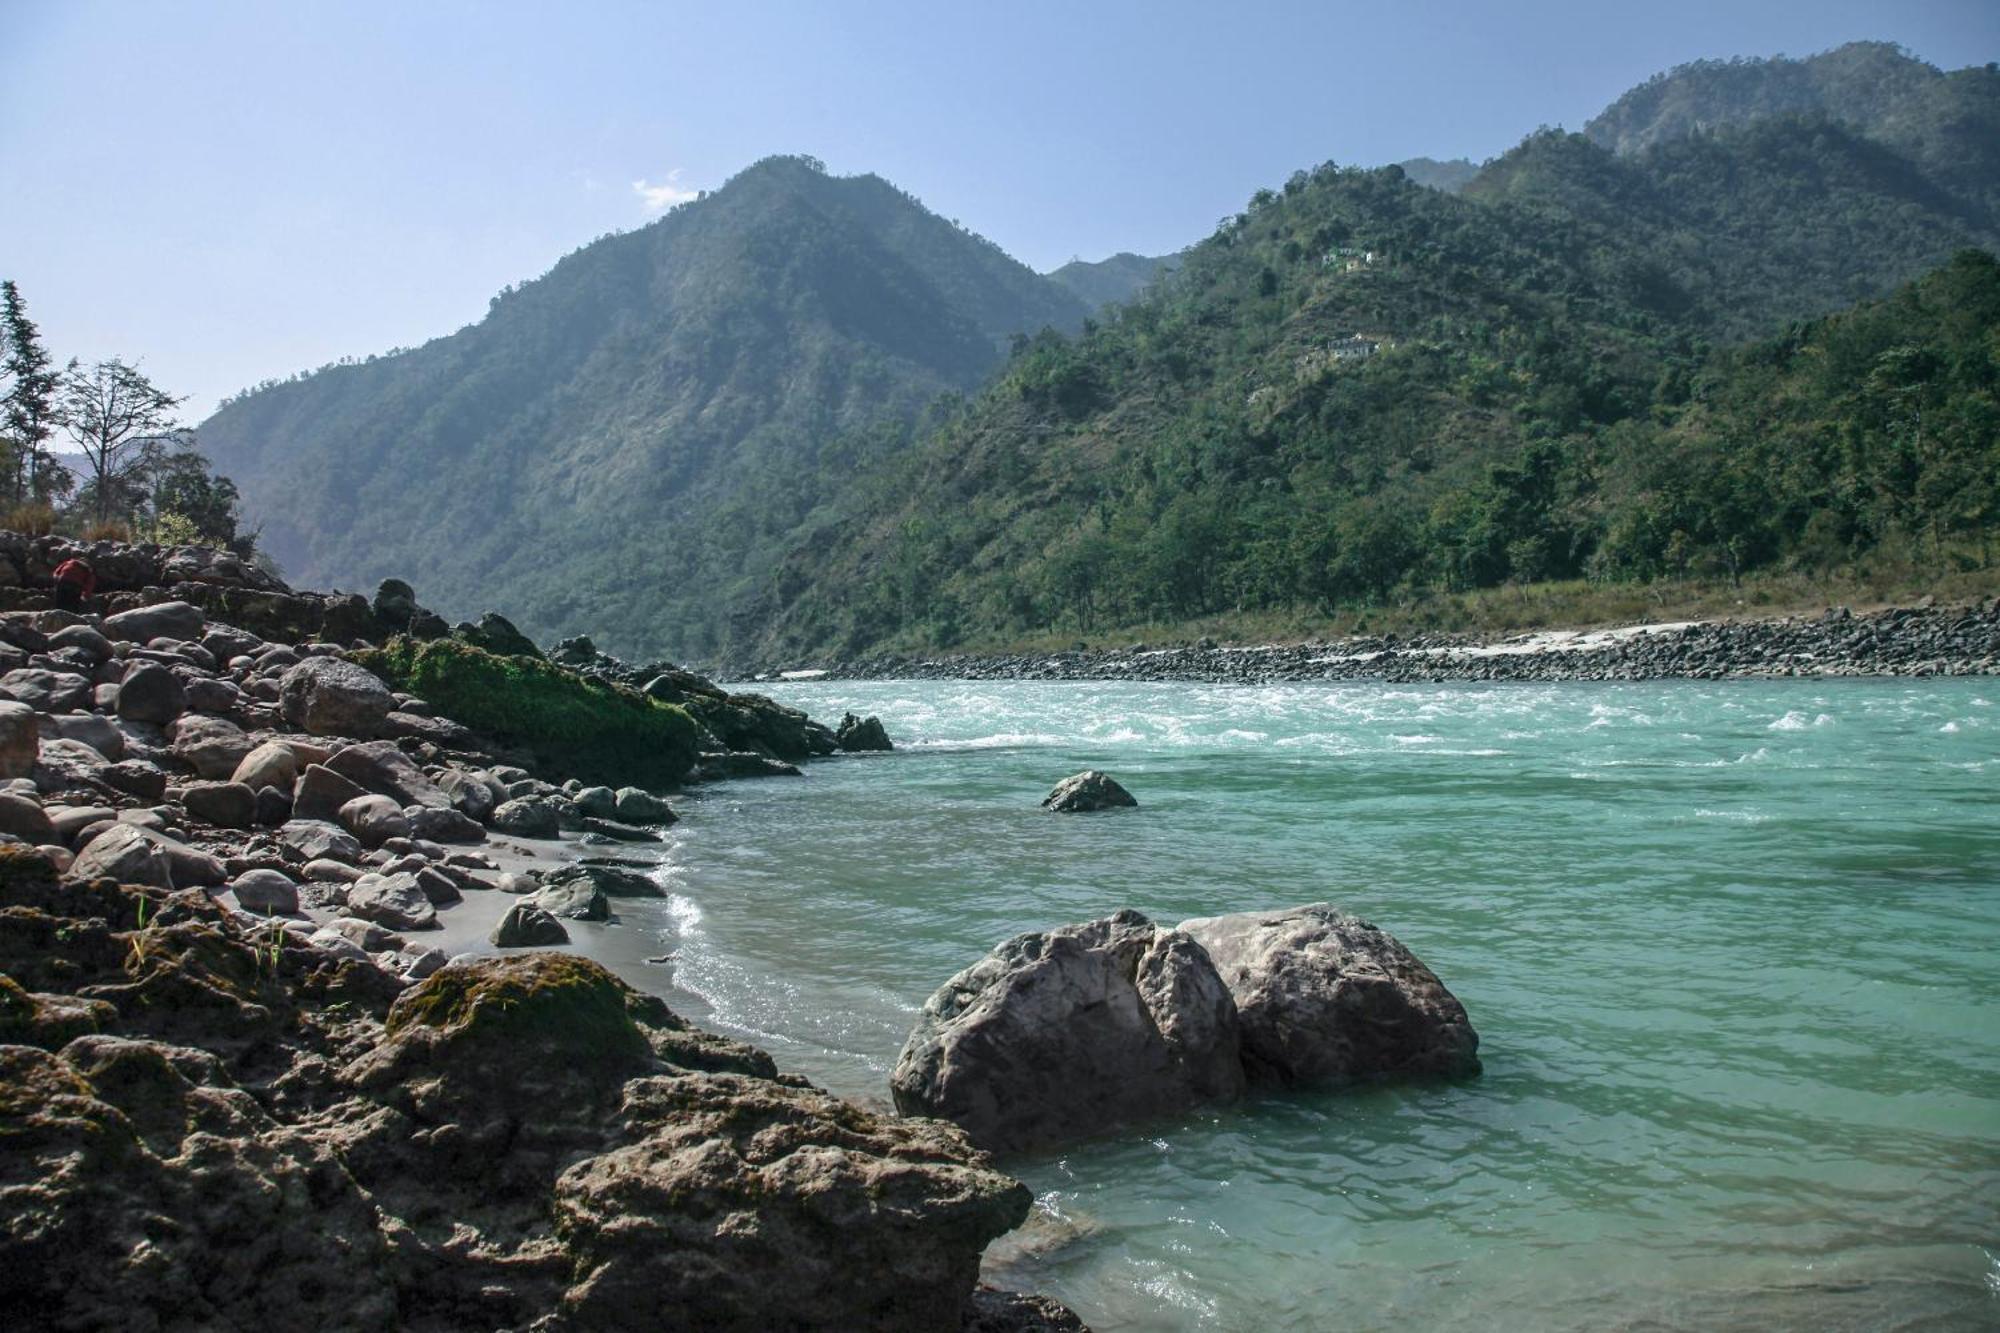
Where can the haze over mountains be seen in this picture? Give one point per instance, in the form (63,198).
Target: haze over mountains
(805,413)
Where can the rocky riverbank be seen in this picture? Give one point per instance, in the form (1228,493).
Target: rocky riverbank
(1905,641)
(242,1085)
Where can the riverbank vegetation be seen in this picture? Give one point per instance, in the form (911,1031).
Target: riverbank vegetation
(590,729)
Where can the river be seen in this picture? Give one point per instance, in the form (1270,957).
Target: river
(1732,948)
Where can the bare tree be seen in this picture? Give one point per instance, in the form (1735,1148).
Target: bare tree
(120,421)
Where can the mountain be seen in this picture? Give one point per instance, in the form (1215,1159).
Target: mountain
(1108,281)
(1451,176)
(1361,389)
(805,414)
(624,441)
(1948,123)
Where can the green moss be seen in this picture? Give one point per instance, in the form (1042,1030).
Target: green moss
(538,1001)
(581,727)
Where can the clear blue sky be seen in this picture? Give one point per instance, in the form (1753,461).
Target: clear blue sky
(234,191)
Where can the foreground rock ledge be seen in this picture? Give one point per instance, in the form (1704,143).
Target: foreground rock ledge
(209,1127)
(1061,1034)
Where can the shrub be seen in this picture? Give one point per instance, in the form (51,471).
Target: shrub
(171,529)
(111,530)
(35,519)
(577,726)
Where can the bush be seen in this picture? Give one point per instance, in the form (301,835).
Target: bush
(579,727)
(35,519)
(171,529)
(111,530)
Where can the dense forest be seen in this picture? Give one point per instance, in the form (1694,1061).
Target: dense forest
(804,414)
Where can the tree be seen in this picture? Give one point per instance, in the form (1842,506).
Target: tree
(32,410)
(122,423)
(183,488)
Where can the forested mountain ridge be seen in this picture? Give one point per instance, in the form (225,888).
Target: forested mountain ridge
(1949,123)
(1118,278)
(589,451)
(1360,388)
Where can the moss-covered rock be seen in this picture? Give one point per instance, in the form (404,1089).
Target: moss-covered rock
(544,1004)
(590,729)
(44,1020)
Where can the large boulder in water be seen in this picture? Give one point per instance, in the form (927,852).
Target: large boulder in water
(1089,790)
(856,734)
(1060,1034)
(1322,996)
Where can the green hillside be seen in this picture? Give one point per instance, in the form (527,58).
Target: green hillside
(614,446)
(1949,123)
(1361,388)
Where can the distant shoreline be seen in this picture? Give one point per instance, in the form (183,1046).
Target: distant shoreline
(1919,641)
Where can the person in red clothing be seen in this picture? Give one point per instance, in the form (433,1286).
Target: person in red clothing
(76,584)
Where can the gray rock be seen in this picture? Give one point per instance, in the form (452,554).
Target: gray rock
(192,868)
(226,642)
(1061,1034)
(528,927)
(274,807)
(327,871)
(439,888)
(224,804)
(417,961)
(717,766)
(315,839)
(528,817)
(472,794)
(20,740)
(47,691)
(332,941)
(93,730)
(597,802)
(391,900)
(63,764)
(576,900)
(83,639)
(271,764)
(265,892)
(862,733)
(151,693)
(378,766)
(444,825)
(124,853)
(24,818)
(70,820)
(327,696)
(615,881)
(374,819)
(212,696)
(320,792)
(1325,997)
(211,746)
(642,807)
(613,831)
(1089,790)
(513,881)
(136,777)
(163,620)
(370,936)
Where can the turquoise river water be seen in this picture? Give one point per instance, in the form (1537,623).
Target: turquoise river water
(1732,949)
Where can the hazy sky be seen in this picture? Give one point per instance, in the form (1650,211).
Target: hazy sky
(231,192)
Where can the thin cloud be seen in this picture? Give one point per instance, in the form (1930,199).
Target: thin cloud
(664,195)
